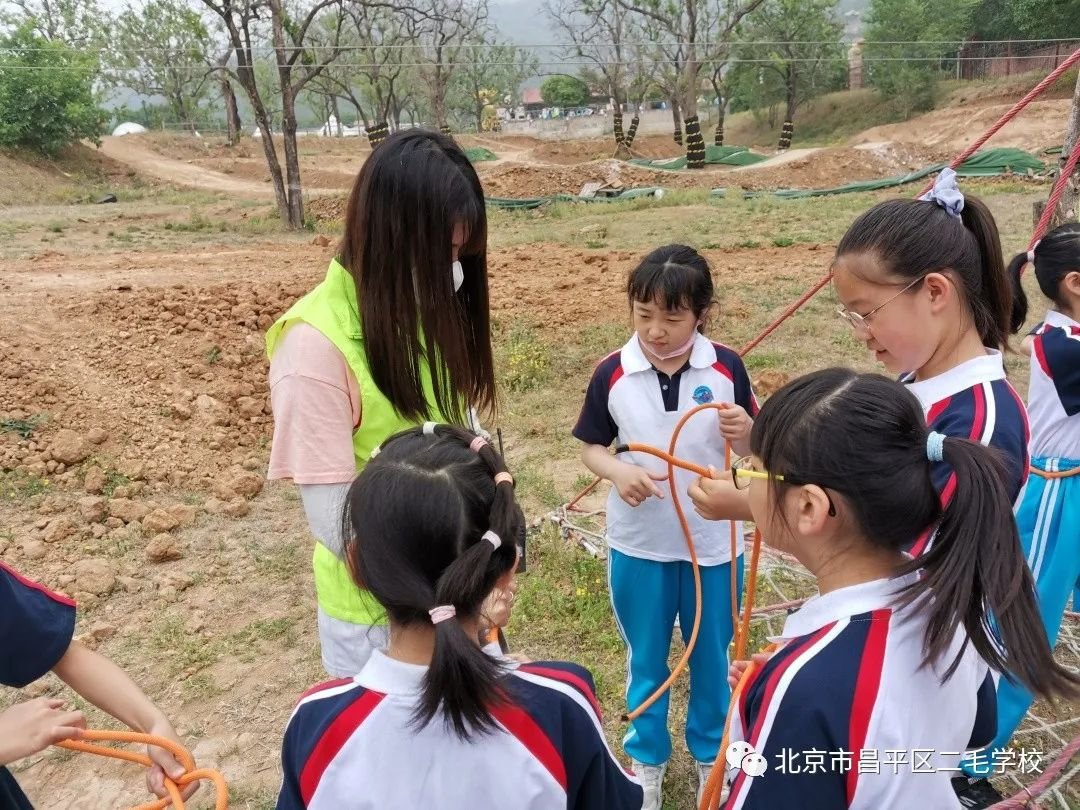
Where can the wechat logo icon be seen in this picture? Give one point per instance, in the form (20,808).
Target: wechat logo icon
(741,756)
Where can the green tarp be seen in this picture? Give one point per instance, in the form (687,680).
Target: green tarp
(716,155)
(987,163)
(477,154)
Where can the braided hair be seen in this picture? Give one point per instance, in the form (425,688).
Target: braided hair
(431,525)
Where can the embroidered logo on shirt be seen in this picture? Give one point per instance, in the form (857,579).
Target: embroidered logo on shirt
(703,394)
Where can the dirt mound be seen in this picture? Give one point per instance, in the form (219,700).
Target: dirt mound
(522,181)
(326,209)
(952,129)
(27,178)
(823,169)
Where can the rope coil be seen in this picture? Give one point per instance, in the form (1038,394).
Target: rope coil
(183,756)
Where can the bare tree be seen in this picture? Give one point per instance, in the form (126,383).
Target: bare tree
(598,31)
(78,23)
(228,96)
(701,32)
(442,28)
(245,21)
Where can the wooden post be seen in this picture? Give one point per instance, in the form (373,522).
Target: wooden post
(1067,207)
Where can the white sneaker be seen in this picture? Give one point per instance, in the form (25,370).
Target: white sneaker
(704,771)
(652,783)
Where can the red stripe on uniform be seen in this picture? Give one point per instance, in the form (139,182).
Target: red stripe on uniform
(979,421)
(322,687)
(332,741)
(867,684)
(569,678)
(29,583)
(1040,355)
(724,370)
(616,375)
(763,709)
(936,410)
(524,728)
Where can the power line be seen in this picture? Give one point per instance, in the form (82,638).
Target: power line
(269,49)
(203,68)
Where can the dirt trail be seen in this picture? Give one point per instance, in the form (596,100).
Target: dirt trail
(954,128)
(183,173)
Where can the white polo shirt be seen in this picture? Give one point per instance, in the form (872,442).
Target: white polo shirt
(628,400)
(351,744)
(846,716)
(1054,392)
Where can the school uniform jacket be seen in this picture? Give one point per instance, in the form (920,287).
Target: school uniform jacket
(36,627)
(1054,390)
(630,401)
(834,708)
(351,745)
(975,401)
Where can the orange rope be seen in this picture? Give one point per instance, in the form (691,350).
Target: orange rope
(672,463)
(191,774)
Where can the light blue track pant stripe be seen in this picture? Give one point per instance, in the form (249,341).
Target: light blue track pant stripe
(646,596)
(1049,523)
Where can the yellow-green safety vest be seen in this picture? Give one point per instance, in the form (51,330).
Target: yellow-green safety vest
(332,309)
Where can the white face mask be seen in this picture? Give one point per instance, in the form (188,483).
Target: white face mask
(458,275)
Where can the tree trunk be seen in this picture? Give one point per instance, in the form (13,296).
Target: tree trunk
(295,198)
(676,117)
(1067,207)
(232,112)
(792,99)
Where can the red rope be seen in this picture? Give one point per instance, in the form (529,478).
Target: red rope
(1055,196)
(1013,111)
(1034,93)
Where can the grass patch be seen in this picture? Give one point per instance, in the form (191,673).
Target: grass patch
(113,481)
(284,562)
(23,428)
(179,649)
(526,362)
(212,355)
(245,798)
(16,485)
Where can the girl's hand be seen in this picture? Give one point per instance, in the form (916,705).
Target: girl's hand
(34,725)
(634,484)
(717,498)
(738,668)
(165,764)
(735,425)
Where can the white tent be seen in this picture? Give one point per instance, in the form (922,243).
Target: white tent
(129,128)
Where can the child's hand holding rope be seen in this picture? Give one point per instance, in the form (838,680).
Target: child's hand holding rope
(34,725)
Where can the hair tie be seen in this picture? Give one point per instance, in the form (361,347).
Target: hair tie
(476,444)
(442,613)
(946,193)
(504,478)
(429,428)
(935,446)
(492,538)
(1031,253)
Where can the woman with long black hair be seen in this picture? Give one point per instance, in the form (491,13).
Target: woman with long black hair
(397,334)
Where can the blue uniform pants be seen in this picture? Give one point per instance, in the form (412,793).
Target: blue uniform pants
(646,596)
(1049,522)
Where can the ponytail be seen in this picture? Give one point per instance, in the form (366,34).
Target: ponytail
(993,308)
(1020,302)
(432,525)
(863,437)
(976,569)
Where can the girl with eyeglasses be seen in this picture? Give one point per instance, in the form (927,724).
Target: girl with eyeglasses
(923,285)
(886,673)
